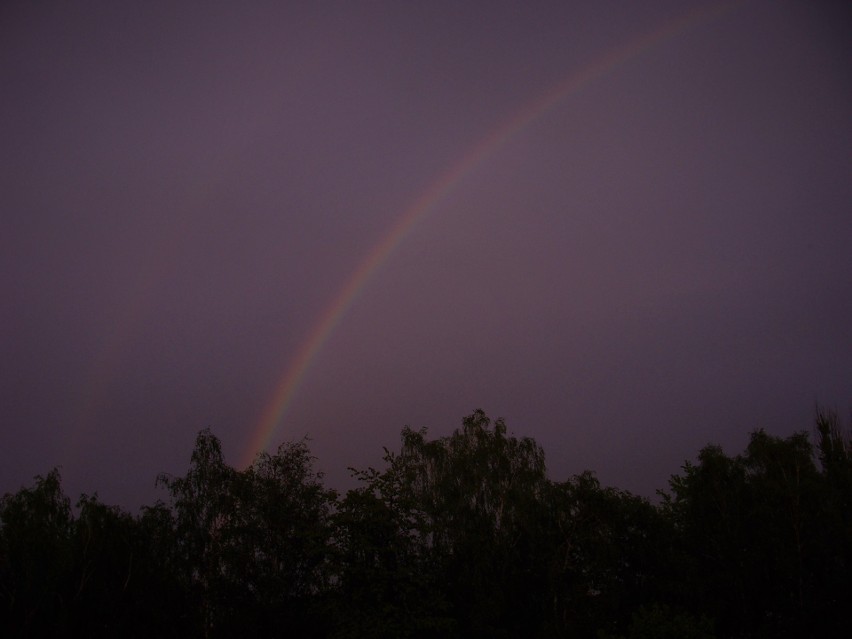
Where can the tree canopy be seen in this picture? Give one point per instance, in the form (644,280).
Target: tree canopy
(456,536)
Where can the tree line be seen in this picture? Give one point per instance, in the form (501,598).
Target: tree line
(459,536)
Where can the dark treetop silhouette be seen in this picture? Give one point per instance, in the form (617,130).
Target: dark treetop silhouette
(460,536)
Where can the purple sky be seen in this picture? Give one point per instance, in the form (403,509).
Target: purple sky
(659,261)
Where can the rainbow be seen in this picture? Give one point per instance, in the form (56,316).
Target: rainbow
(286,388)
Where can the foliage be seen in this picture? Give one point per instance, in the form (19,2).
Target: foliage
(759,535)
(609,552)
(35,556)
(462,510)
(252,545)
(661,622)
(458,536)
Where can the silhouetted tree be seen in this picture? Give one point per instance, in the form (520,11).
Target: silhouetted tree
(834,533)
(709,506)
(609,555)
(202,506)
(253,546)
(468,506)
(389,584)
(459,536)
(661,622)
(758,536)
(279,552)
(35,558)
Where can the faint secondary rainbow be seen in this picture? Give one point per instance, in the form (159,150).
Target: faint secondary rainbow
(286,388)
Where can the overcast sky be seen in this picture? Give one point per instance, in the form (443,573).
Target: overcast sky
(657,260)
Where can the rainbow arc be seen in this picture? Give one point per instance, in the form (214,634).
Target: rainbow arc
(446,183)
